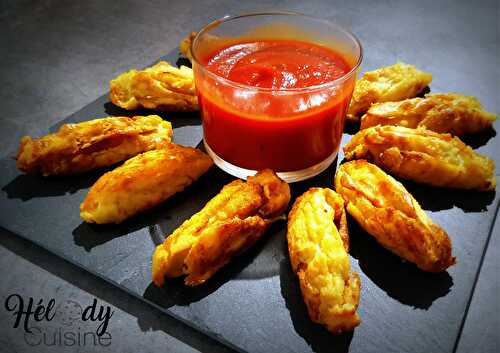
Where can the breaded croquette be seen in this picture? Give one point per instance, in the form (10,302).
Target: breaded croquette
(230,223)
(387,211)
(80,147)
(143,182)
(318,243)
(423,156)
(443,112)
(185,45)
(387,84)
(161,87)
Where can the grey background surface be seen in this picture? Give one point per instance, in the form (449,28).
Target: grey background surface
(59,56)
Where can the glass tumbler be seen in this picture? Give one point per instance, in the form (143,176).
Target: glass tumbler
(294,131)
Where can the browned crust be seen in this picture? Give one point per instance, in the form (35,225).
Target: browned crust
(143,182)
(229,224)
(386,84)
(387,211)
(80,147)
(318,243)
(160,87)
(443,113)
(185,45)
(423,156)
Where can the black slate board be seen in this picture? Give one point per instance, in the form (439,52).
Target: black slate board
(254,304)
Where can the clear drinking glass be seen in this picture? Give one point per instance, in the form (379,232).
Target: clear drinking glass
(294,131)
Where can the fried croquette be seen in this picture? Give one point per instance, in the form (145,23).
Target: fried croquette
(423,156)
(230,223)
(185,45)
(386,84)
(443,112)
(161,87)
(318,245)
(80,147)
(143,182)
(387,211)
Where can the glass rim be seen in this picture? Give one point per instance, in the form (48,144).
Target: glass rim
(228,18)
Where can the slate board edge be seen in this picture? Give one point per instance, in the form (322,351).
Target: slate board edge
(476,278)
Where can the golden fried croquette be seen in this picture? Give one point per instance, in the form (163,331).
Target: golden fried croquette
(387,84)
(423,156)
(230,223)
(143,182)
(387,211)
(318,243)
(185,45)
(443,112)
(80,147)
(161,87)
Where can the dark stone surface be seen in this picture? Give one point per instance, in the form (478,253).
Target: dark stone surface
(30,270)
(58,56)
(480,330)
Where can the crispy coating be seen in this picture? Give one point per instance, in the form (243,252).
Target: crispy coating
(444,112)
(143,182)
(387,211)
(387,84)
(230,223)
(423,156)
(185,45)
(161,87)
(80,147)
(318,243)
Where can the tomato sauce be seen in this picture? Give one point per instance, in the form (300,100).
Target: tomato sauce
(276,108)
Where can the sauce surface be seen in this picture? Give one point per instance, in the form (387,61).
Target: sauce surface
(274,128)
(278,64)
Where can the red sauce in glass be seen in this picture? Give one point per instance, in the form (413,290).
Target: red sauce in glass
(291,130)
